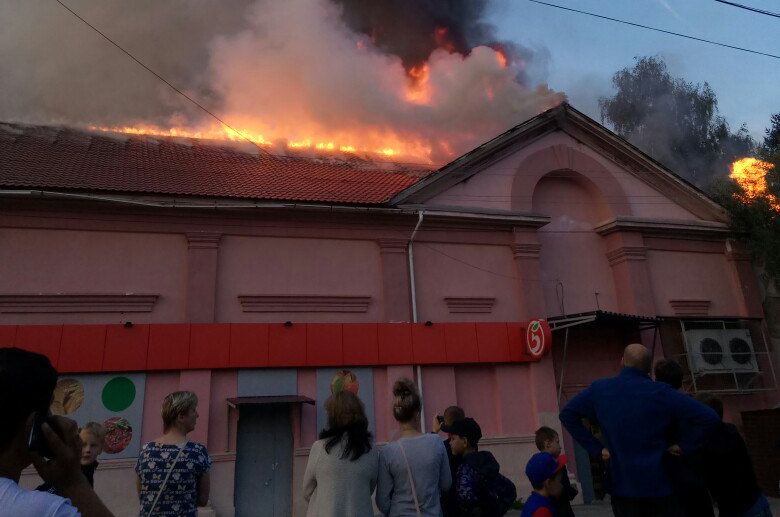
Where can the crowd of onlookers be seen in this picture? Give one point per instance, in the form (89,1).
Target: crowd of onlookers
(663,453)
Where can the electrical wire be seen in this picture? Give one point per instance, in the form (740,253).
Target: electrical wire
(702,40)
(747,7)
(164,80)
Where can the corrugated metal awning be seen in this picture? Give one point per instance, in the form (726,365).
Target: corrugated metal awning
(278,399)
(581,318)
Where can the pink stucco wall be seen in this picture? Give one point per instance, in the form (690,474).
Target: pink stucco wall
(333,267)
(693,276)
(199,266)
(55,261)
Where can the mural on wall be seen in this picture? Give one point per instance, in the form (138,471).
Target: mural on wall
(116,401)
(359,381)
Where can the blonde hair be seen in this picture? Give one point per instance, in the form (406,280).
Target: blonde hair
(175,404)
(406,400)
(96,430)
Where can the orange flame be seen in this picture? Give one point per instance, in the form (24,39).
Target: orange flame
(419,91)
(390,148)
(501,57)
(750,175)
(442,38)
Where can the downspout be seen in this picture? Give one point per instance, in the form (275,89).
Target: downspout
(413,292)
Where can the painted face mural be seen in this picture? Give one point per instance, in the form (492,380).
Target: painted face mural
(344,380)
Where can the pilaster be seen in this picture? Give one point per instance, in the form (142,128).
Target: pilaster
(395,279)
(527,250)
(202,257)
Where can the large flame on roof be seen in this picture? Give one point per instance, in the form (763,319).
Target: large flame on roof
(432,86)
(750,175)
(298,79)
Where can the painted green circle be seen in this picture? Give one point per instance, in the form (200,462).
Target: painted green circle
(118,394)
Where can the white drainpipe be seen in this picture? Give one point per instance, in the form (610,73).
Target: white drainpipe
(412,290)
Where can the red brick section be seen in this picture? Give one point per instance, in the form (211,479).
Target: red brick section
(762,435)
(115,348)
(62,158)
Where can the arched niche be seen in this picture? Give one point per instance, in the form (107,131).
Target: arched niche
(575,274)
(562,161)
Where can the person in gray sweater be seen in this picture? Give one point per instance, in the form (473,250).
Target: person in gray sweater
(414,470)
(342,470)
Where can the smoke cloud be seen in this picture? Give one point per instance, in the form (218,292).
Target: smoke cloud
(329,71)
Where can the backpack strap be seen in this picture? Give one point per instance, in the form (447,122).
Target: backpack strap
(411,480)
(165,481)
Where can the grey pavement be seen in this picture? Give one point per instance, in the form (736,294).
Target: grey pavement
(602,509)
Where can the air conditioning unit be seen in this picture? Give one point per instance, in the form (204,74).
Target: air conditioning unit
(720,351)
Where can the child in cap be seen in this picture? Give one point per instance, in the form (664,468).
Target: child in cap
(545,472)
(548,440)
(480,489)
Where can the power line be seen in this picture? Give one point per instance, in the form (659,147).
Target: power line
(656,29)
(747,7)
(164,80)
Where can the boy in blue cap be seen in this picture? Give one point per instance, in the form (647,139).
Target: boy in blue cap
(544,471)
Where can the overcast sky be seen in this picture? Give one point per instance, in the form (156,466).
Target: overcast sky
(584,51)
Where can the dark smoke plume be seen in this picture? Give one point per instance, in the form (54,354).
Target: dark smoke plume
(412,29)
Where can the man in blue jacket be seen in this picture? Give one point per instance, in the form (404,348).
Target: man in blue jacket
(635,415)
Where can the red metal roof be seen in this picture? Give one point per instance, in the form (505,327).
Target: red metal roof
(63,158)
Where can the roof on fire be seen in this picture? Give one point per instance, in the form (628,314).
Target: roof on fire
(76,160)
(60,158)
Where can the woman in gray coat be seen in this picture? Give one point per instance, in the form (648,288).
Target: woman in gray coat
(342,470)
(415,470)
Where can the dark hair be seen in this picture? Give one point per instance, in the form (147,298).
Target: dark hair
(669,372)
(406,400)
(711,401)
(544,434)
(27,383)
(346,416)
(455,413)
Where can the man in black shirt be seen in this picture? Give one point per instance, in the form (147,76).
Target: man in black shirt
(451,415)
(728,470)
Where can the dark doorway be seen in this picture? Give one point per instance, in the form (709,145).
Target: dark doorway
(264,461)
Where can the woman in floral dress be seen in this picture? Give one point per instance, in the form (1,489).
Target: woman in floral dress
(173,477)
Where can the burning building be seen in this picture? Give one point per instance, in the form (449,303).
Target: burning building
(503,282)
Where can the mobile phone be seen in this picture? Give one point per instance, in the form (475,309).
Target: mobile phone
(440,419)
(36,441)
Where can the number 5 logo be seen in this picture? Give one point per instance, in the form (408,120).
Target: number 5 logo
(535,339)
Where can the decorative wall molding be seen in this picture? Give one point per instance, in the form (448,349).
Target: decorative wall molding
(71,302)
(203,240)
(684,308)
(508,440)
(527,439)
(526,250)
(669,227)
(470,305)
(626,253)
(304,303)
(392,245)
(129,463)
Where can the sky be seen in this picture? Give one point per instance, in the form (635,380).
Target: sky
(584,51)
(297,71)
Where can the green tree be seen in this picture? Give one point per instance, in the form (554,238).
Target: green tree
(674,121)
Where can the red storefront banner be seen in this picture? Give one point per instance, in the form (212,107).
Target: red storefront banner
(119,348)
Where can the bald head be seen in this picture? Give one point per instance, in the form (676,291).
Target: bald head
(637,356)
